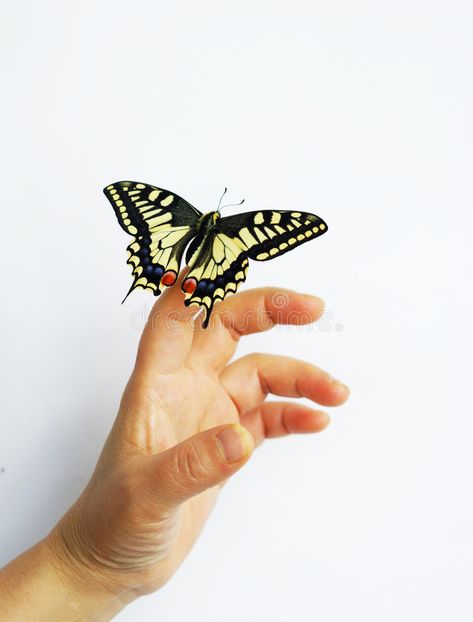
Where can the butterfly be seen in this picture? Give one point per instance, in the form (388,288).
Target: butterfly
(164,225)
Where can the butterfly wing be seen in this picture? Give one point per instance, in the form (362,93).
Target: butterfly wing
(269,233)
(218,266)
(161,223)
(219,261)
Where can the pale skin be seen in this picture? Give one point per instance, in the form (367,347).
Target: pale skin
(164,461)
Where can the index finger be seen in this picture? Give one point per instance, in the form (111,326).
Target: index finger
(167,336)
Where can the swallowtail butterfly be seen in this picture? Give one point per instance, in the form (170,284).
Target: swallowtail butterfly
(163,225)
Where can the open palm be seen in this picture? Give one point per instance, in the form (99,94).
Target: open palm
(187,421)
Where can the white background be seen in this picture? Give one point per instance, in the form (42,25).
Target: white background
(358,111)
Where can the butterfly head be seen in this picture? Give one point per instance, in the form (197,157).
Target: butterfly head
(208,221)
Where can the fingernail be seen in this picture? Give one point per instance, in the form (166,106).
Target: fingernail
(339,383)
(311,297)
(317,303)
(232,443)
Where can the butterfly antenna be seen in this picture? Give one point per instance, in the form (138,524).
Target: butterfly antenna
(233,204)
(220,202)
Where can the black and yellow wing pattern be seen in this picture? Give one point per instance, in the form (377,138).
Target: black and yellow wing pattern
(163,225)
(219,264)
(217,267)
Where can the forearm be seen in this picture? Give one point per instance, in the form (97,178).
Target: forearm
(35,587)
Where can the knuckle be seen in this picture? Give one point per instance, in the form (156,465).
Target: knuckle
(190,465)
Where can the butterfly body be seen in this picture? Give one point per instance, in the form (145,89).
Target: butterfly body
(205,225)
(164,225)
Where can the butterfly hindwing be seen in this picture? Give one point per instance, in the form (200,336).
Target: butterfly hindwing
(161,223)
(270,233)
(156,259)
(217,268)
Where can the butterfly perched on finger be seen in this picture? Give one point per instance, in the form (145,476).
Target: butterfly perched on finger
(163,225)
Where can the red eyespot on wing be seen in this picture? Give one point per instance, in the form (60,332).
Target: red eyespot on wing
(189,286)
(169,278)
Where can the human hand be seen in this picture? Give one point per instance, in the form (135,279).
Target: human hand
(187,421)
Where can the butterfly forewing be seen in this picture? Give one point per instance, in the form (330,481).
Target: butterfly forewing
(269,233)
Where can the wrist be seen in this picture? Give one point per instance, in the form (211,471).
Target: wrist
(45,584)
(85,585)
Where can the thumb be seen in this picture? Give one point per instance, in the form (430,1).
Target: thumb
(198,463)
